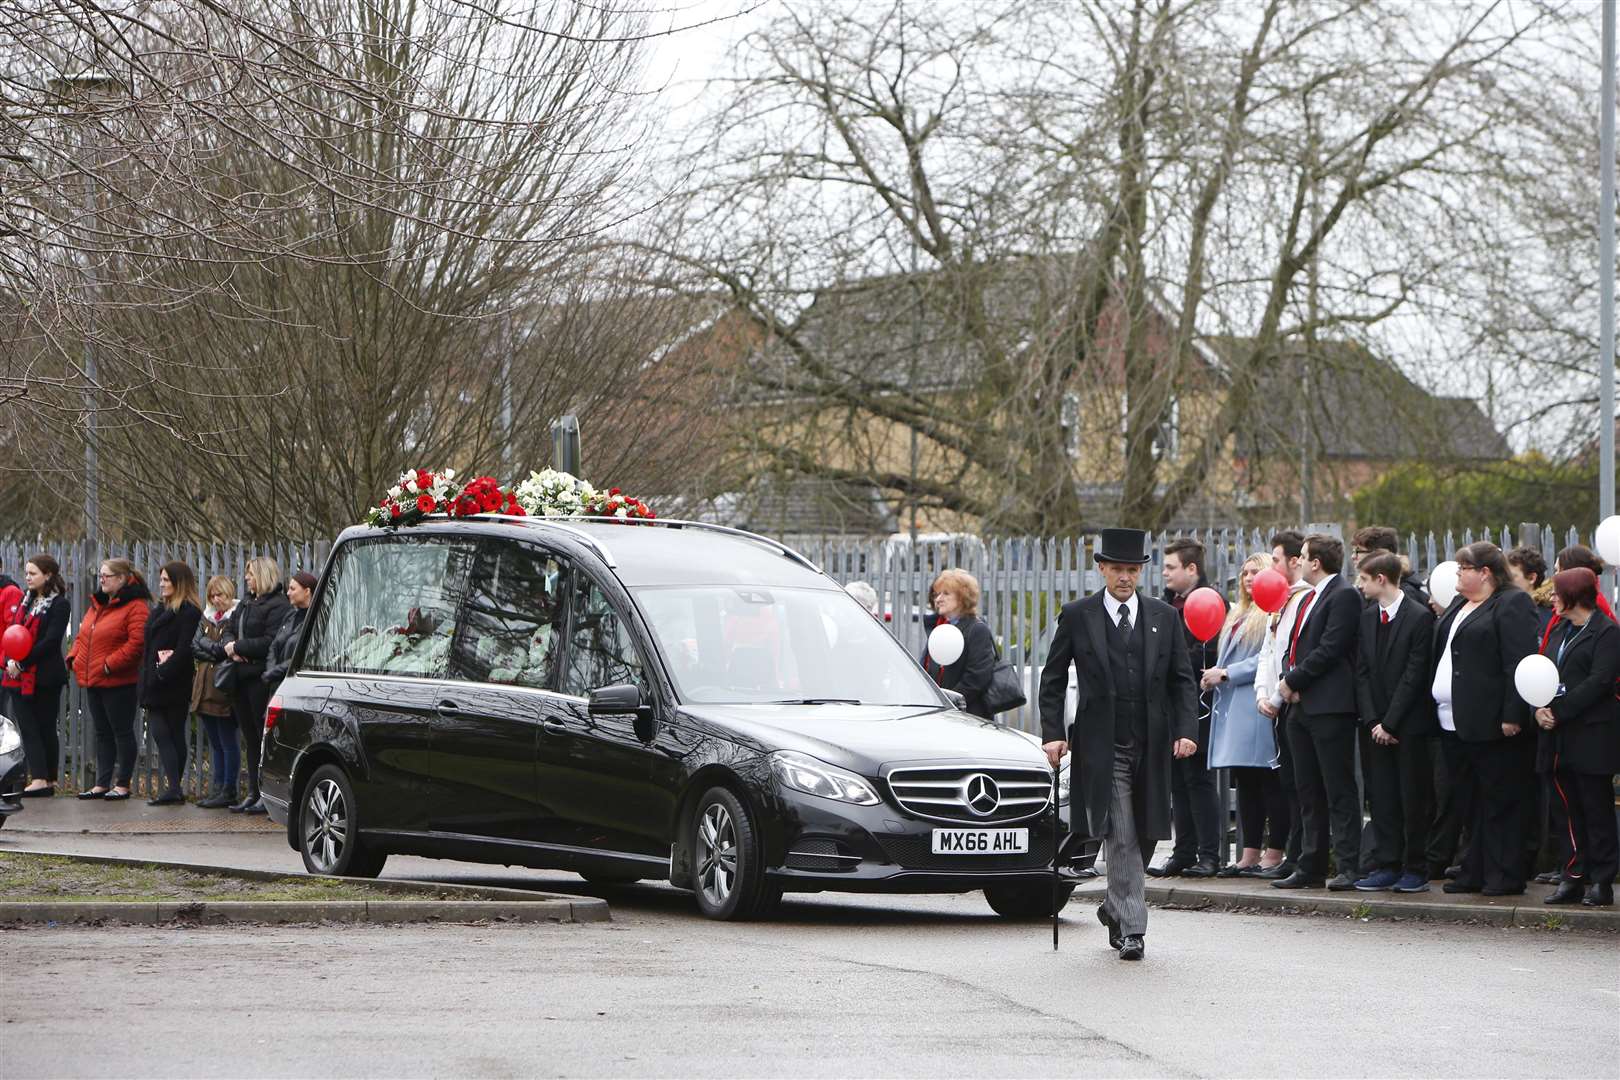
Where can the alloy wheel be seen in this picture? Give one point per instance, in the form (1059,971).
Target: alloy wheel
(326,824)
(717,854)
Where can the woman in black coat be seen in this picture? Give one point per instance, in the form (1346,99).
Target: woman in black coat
(37,679)
(1486,732)
(1581,747)
(954,595)
(257,621)
(164,686)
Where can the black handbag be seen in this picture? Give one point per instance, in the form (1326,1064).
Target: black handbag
(1006,689)
(224,674)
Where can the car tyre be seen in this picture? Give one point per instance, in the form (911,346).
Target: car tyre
(728,870)
(1027,901)
(328,833)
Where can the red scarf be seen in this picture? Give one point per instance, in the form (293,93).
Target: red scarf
(20,616)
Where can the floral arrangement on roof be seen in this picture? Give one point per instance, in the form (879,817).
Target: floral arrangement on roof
(548,493)
(420,492)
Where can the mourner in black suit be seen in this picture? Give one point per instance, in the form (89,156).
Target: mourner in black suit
(1319,686)
(1580,744)
(1484,724)
(1393,653)
(1137,710)
(1199,820)
(955,596)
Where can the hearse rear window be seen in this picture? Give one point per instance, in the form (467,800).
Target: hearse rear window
(390,607)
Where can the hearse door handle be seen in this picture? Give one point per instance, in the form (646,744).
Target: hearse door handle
(554,726)
(448,708)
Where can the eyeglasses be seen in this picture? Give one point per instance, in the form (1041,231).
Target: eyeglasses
(108,577)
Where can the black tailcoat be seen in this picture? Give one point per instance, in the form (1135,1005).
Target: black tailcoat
(1172,709)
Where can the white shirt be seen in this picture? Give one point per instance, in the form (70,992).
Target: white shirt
(1112,606)
(1442,675)
(1266,676)
(1391,608)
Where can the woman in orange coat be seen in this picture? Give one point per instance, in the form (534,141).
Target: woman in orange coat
(106,661)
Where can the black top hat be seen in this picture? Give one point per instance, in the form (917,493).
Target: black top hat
(1123,546)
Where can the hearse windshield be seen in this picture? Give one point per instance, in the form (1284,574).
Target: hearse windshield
(754,645)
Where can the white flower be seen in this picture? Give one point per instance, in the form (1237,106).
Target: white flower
(449,474)
(410,485)
(395,491)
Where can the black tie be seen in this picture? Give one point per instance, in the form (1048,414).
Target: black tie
(1124,621)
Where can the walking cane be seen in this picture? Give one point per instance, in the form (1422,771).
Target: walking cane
(1057,840)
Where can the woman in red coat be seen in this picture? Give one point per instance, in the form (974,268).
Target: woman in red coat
(106,661)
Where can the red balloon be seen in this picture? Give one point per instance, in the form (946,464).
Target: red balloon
(1269,590)
(1204,612)
(17,642)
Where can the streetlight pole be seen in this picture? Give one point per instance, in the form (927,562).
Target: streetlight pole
(1606,273)
(78,90)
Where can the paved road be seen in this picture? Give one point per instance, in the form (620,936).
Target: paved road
(907,986)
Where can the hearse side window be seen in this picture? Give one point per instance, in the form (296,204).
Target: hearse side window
(390,607)
(512,624)
(601,651)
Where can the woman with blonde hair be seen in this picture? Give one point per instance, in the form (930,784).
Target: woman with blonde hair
(257,621)
(1243,739)
(164,686)
(954,596)
(213,690)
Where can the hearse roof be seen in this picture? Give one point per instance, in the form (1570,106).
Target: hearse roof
(660,552)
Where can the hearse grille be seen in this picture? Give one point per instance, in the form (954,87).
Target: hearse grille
(973,796)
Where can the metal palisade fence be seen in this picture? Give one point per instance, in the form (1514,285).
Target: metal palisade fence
(80,562)
(1024,581)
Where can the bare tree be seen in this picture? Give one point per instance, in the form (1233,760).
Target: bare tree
(1046,232)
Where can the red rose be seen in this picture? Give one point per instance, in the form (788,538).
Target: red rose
(425,503)
(424,479)
(613,491)
(393,511)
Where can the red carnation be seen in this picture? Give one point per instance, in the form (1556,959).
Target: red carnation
(613,491)
(425,503)
(393,510)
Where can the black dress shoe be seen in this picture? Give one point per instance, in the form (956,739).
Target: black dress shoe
(1201,869)
(1568,892)
(1599,894)
(1452,873)
(1549,878)
(256,808)
(92,794)
(1341,883)
(39,793)
(1276,873)
(247,800)
(1171,867)
(168,798)
(1112,923)
(1131,947)
(1459,887)
(1298,880)
(115,796)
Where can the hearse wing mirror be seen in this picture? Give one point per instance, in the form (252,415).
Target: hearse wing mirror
(956,699)
(625,700)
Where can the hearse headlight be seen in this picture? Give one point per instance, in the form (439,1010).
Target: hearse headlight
(801,772)
(10,737)
(1063,785)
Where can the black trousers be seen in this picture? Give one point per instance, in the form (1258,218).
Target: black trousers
(1454,796)
(1285,760)
(1261,802)
(112,711)
(37,715)
(248,703)
(167,723)
(1498,773)
(1588,801)
(1325,777)
(1197,805)
(1400,789)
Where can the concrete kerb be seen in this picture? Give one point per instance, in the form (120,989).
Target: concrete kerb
(449,903)
(1377,906)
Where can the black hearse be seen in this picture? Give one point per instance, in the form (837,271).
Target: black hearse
(628,701)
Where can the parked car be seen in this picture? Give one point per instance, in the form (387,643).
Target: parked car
(13,769)
(659,700)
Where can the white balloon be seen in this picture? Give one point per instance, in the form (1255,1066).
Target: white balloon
(945,644)
(1536,679)
(1607,540)
(1443,583)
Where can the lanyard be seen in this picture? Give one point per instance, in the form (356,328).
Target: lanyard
(1570,640)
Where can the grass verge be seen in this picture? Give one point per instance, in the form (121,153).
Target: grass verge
(25,877)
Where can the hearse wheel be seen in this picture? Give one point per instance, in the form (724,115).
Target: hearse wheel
(327,834)
(1026,901)
(728,874)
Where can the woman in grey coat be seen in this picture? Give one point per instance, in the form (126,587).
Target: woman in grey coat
(1241,738)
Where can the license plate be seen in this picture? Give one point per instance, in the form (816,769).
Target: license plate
(981,841)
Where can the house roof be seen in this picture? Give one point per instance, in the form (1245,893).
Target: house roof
(1360,406)
(792,504)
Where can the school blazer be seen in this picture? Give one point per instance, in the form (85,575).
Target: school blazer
(1392,683)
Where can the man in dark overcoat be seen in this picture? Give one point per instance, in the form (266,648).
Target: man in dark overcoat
(1137,710)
